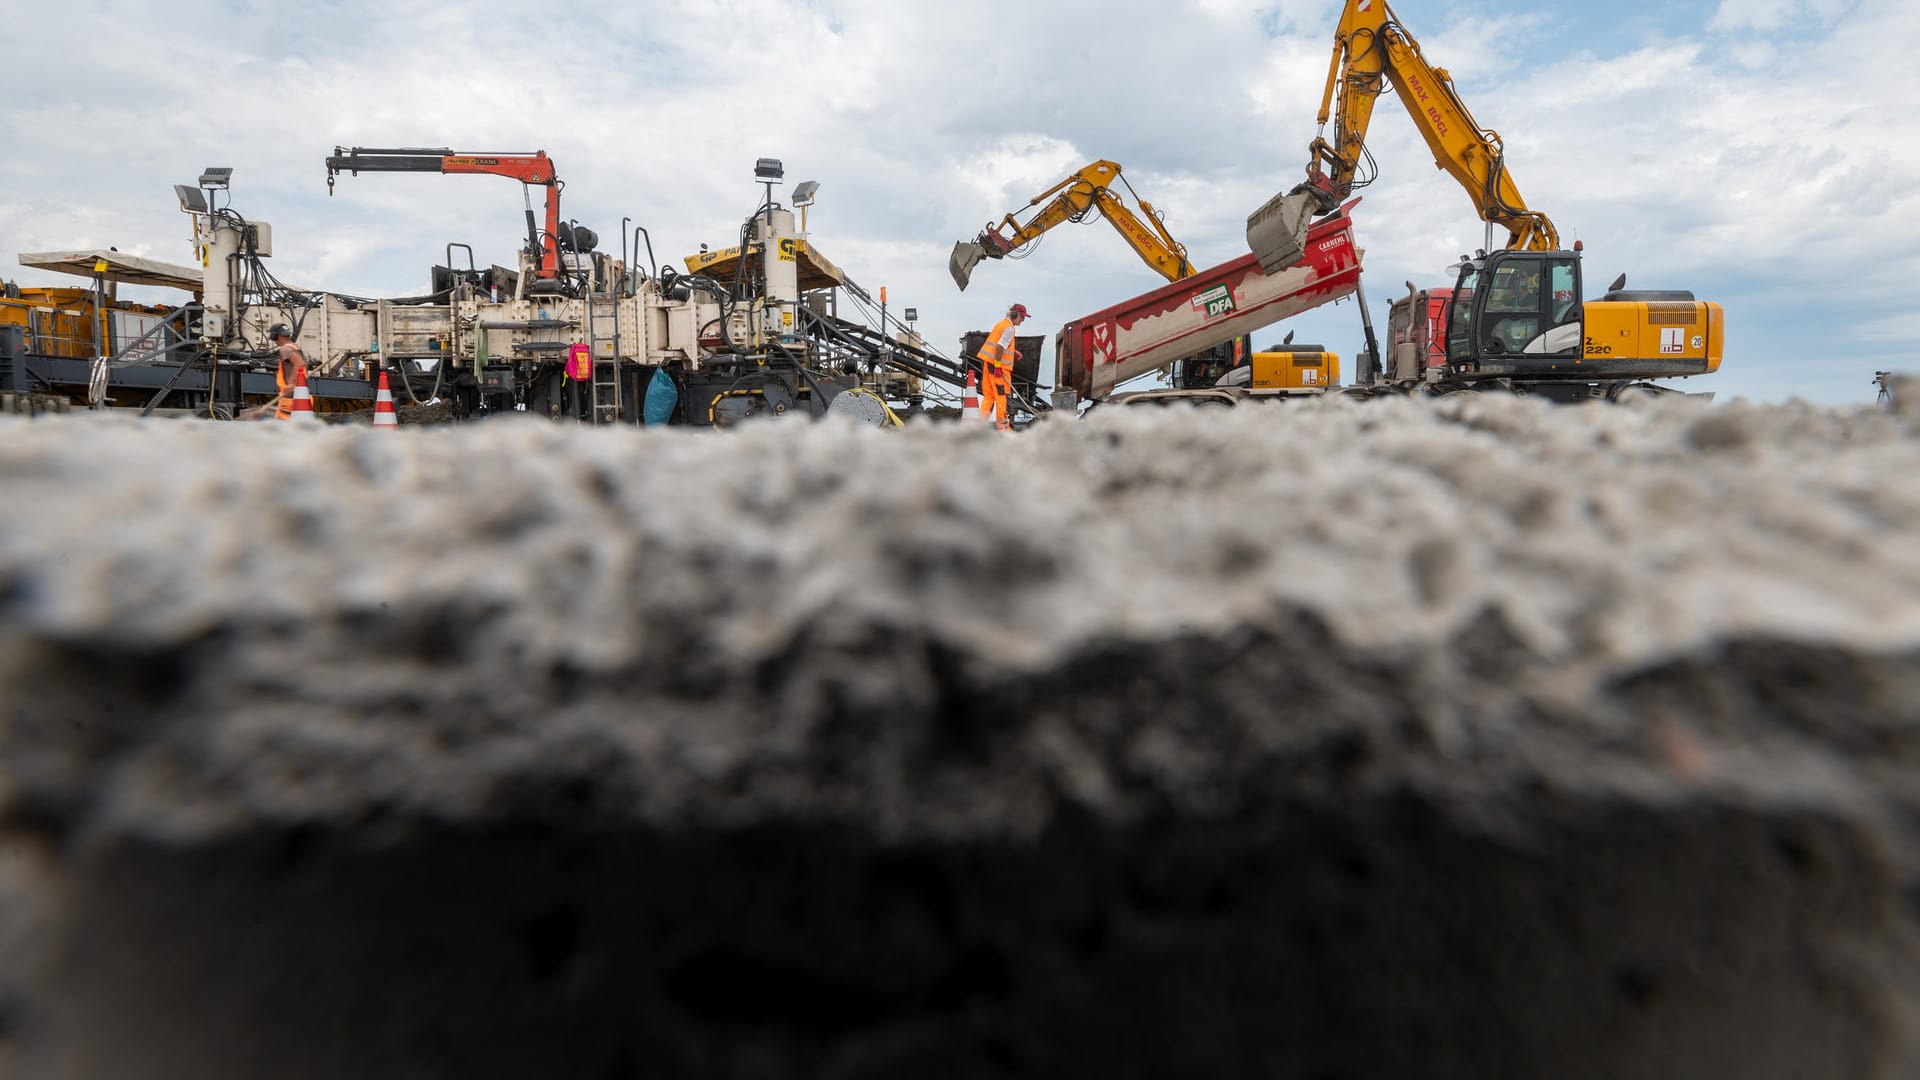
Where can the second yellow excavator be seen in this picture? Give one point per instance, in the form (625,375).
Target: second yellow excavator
(1078,198)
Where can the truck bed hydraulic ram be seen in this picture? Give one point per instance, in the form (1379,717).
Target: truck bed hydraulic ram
(1097,353)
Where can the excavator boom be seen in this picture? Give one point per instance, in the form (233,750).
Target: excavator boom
(1075,199)
(1371,50)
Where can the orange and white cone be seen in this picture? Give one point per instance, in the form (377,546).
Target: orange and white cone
(302,397)
(383,416)
(970,402)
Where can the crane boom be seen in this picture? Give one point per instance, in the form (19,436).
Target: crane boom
(1371,49)
(1074,198)
(535,168)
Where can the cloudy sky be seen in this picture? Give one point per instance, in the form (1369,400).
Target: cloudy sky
(1757,152)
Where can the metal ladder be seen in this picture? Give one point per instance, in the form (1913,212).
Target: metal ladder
(603,325)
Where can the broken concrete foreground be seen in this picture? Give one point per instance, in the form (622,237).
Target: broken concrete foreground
(1463,740)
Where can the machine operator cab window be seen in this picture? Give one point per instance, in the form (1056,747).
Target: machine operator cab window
(1531,305)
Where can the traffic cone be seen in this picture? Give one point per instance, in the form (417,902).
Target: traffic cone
(302,398)
(970,402)
(383,416)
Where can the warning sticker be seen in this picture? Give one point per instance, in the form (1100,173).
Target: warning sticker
(1672,339)
(1215,301)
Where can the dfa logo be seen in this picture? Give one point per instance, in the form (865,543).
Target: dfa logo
(1215,301)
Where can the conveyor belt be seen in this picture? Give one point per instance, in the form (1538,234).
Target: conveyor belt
(916,360)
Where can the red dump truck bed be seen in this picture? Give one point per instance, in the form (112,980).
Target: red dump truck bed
(1097,353)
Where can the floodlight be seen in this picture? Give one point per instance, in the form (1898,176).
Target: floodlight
(191,201)
(215,177)
(768,168)
(803,193)
(912,314)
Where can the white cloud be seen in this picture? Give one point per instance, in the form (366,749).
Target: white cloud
(1754,54)
(1021,165)
(1767,16)
(1753,14)
(1900,328)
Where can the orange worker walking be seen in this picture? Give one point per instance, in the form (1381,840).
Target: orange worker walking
(996,361)
(288,356)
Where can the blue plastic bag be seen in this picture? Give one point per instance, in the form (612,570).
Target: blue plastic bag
(662,396)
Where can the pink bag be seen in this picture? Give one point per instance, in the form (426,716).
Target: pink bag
(579,364)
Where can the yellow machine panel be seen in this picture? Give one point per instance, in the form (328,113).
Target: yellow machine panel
(59,322)
(1295,371)
(816,270)
(1655,330)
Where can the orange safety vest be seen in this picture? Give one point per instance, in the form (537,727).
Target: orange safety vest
(999,347)
(283,375)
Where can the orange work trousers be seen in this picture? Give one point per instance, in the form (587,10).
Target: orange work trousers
(995,382)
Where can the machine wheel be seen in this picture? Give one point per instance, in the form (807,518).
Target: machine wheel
(864,406)
(754,394)
(1487,386)
(1635,394)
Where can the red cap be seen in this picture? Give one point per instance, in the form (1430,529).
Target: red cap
(1017,311)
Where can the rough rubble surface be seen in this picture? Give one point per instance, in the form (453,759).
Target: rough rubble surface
(1458,740)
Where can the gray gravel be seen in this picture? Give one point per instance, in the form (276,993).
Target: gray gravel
(1452,740)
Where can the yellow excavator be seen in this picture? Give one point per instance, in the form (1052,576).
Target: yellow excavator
(1516,317)
(1078,198)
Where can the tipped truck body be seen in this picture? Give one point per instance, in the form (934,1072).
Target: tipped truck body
(1097,353)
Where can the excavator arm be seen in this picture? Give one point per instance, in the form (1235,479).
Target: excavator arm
(1074,199)
(535,168)
(1372,49)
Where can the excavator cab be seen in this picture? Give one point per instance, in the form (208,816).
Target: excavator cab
(1514,304)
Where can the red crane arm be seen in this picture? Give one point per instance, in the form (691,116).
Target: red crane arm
(534,168)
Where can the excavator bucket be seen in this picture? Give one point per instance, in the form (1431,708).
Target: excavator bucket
(1277,232)
(966,256)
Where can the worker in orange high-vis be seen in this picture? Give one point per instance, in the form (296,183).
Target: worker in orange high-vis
(287,355)
(996,362)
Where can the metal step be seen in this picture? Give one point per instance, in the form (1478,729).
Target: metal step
(603,328)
